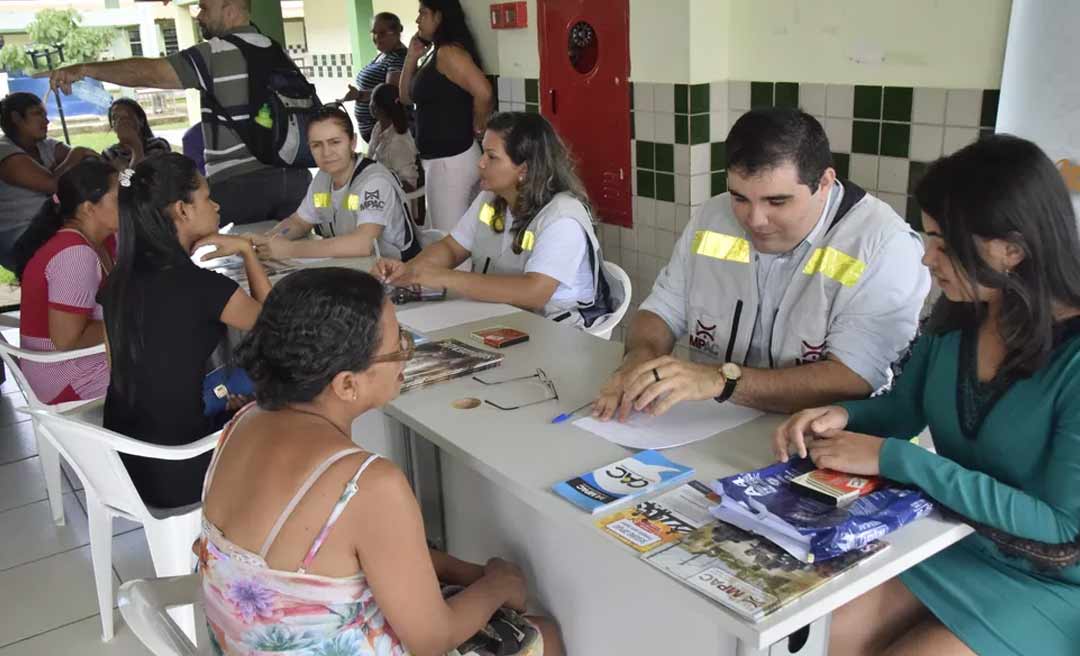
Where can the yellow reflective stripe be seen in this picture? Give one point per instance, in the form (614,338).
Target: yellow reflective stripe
(352,202)
(835,264)
(322,200)
(528,240)
(720,246)
(487,213)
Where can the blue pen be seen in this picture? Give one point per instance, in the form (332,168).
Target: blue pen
(566,415)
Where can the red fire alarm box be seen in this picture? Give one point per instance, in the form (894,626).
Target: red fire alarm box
(509,15)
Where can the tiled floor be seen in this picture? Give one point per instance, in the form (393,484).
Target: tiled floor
(48,605)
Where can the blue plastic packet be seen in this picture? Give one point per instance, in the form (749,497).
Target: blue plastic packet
(220,384)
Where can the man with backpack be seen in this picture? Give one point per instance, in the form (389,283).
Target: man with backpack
(255,104)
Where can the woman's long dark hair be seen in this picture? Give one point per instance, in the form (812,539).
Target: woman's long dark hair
(87,182)
(530,139)
(1004,187)
(140,114)
(148,241)
(385,97)
(453,30)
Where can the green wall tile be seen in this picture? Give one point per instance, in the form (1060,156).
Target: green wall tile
(718,156)
(646,184)
(913,213)
(699,98)
(867,102)
(493,80)
(985,132)
(897,104)
(916,170)
(646,158)
(842,164)
(864,137)
(761,94)
(665,187)
(895,139)
(532,90)
(665,157)
(988,116)
(682,129)
(682,99)
(719,183)
(787,94)
(532,109)
(699,129)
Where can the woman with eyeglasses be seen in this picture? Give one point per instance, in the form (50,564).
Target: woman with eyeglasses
(313,544)
(354,203)
(529,234)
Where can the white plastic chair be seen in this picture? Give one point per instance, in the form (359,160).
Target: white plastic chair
(621,296)
(429,236)
(144,605)
(47,455)
(94,453)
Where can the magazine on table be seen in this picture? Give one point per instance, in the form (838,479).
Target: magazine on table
(765,502)
(609,486)
(446,359)
(664,519)
(745,572)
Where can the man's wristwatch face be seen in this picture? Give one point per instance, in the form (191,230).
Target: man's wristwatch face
(731,371)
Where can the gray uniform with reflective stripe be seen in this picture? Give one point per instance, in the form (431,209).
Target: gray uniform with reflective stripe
(335,221)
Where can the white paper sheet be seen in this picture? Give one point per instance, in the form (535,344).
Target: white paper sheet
(687,422)
(426,317)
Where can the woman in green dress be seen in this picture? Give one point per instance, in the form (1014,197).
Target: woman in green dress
(996,377)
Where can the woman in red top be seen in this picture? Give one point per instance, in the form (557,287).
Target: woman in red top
(61,262)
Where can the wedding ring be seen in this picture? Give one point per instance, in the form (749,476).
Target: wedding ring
(656,374)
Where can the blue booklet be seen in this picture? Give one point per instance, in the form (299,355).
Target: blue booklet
(766,502)
(629,478)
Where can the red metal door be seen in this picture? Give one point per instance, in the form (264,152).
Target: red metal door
(585,93)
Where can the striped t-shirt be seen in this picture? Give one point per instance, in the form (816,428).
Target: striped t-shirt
(226,153)
(372,76)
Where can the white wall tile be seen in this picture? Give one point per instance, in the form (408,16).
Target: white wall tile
(700,155)
(739,95)
(517,89)
(665,244)
(646,239)
(839,100)
(682,159)
(682,189)
(628,239)
(838,130)
(963,106)
(718,125)
(643,96)
(611,236)
(700,188)
(864,171)
(897,201)
(644,126)
(665,215)
(718,95)
(644,211)
(664,97)
(893,175)
(629,263)
(682,218)
(812,98)
(504,106)
(928,106)
(504,88)
(926,142)
(957,138)
(664,131)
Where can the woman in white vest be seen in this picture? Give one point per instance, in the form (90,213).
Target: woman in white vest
(355,204)
(529,233)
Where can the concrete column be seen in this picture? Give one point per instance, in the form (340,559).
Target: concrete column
(266,14)
(148,32)
(360,13)
(187,35)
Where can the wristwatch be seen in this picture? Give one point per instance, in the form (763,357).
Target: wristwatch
(731,373)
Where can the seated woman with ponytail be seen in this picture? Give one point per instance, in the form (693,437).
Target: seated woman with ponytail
(164,316)
(61,261)
(355,204)
(529,233)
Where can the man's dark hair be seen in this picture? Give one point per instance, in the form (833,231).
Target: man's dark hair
(764,139)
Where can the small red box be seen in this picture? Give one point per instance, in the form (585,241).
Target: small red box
(509,15)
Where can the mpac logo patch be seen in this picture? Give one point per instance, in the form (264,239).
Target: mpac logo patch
(812,353)
(372,201)
(703,337)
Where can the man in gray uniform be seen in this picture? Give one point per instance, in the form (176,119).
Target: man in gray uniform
(795,290)
(246,189)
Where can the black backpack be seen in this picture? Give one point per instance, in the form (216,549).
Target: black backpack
(281,103)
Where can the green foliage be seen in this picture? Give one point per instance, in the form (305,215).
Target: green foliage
(58,27)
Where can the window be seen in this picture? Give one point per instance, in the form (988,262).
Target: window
(135,40)
(168,33)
